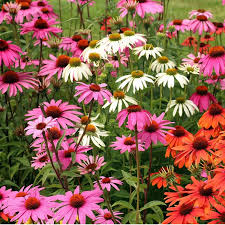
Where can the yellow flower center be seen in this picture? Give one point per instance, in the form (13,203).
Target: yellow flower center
(115,37)
(172,71)
(190,69)
(163,59)
(129,33)
(91,128)
(94,57)
(137,73)
(180,100)
(74,62)
(148,47)
(119,94)
(93,43)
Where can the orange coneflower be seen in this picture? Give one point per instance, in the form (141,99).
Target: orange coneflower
(214,117)
(176,139)
(209,132)
(183,214)
(193,150)
(219,145)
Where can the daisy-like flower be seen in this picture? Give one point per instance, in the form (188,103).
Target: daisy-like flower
(168,78)
(154,131)
(180,105)
(41,28)
(34,206)
(107,183)
(9,9)
(48,13)
(217,214)
(53,66)
(202,98)
(40,160)
(81,46)
(9,53)
(4,13)
(70,44)
(180,25)
(207,38)
(183,214)
(130,38)
(14,81)
(215,60)
(189,69)
(76,70)
(117,100)
(138,79)
(192,59)
(165,176)
(79,205)
(105,217)
(209,132)
(115,61)
(190,41)
(4,193)
(93,91)
(200,12)
(137,117)
(91,164)
(148,50)
(126,144)
(175,138)
(192,151)
(39,125)
(220,27)
(162,64)
(64,114)
(201,24)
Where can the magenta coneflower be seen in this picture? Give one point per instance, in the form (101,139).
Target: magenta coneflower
(3,13)
(107,183)
(154,131)
(91,164)
(200,12)
(215,60)
(40,160)
(40,4)
(105,217)
(8,52)
(64,114)
(4,194)
(53,66)
(115,61)
(70,44)
(180,25)
(79,205)
(93,91)
(48,13)
(126,144)
(202,98)
(201,24)
(192,59)
(12,81)
(41,28)
(81,45)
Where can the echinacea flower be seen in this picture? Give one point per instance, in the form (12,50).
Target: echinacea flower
(162,64)
(148,50)
(213,117)
(117,100)
(182,105)
(92,91)
(126,144)
(193,60)
(40,160)
(107,183)
(9,53)
(200,12)
(4,193)
(70,44)
(41,28)
(154,131)
(216,214)
(215,60)
(53,66)
(131,39)
(202,98)
(105,217)
(180,25)
(190,41)
(14,81)
(138,79)
(207,38)
(189,69)
(76,70)
(136,116)
(168,78)
(65,115)
(78,205)
(91,164)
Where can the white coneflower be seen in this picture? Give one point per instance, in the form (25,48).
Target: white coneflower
(162,64)
(147,51)
(180,105)
(138,79)
(117,100)
(168,78)
(130,38)
(188,69)
(76,70)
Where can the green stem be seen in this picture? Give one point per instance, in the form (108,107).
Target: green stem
(71,15)
(152,96)
(60,15)
(171,94)
(160,98)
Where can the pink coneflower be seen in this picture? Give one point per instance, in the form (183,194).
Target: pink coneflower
(223,2)
(40,4)
(8,52)
(70,44)
(53,66)
(200,12)
(126,144)
(108,182)
(202,98)
(115,61)
(65,154)
(180,25)
(3,13)
(105,217)
(23,62)
(192,59)
(137,117)
(8,10)
(190,41)
(154,131)
(81,45)
(82,2)
(4,194)
(79,205)
(91,164)
(34,206)
(40,160)
(213,79)
(215,60)
(12,81)
(96,92)
(42,28)
(64,114)
(201,24)
(48,13)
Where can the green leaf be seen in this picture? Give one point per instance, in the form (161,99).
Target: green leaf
(13,170)
(151,217)
(158,212)
(129,179)
(24,161)
(151,204)
(131,217)
(125,204)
